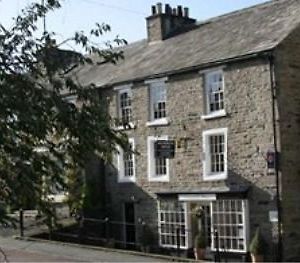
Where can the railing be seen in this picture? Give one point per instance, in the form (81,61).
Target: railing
(119,234)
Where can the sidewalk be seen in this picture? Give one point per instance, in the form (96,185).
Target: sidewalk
(39,251)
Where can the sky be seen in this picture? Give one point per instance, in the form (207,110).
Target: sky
(126,17)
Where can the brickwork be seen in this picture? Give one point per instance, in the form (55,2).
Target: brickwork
(248,105)
(287,66)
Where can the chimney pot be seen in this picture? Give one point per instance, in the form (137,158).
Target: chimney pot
(168,10)
(186,12)
(179,10)
(174,11)
(159,8)
(153,8)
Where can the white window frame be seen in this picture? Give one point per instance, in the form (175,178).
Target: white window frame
(152,177)
(120,90)
(186,224)
(216,113)
(120,163)
(208,175)
(244,225)
(152,85)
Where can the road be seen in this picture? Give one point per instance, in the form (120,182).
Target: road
(40,251)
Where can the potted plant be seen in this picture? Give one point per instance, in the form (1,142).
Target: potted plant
(199,245)
(257,247)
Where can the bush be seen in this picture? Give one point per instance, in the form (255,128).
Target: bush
(257,245)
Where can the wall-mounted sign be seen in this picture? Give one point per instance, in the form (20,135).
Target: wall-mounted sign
(271,156)
(164,149)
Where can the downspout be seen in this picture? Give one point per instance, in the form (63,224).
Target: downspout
(275,137)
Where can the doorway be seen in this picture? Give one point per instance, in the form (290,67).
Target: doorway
(201,221)
(129,225)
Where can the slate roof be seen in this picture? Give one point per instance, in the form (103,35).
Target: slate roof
(247,31)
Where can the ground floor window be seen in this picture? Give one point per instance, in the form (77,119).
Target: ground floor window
(229,220)
(225,222)
(173,224)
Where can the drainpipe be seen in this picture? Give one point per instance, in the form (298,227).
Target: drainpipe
(278,194)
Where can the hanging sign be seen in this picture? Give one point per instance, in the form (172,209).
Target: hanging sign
(164,149)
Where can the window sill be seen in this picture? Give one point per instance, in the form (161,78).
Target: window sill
(130,126)
(159,179)
(158,122)
(215,176)
(125,180)
(214,115)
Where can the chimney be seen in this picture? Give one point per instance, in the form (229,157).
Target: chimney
(165,24)
(186,12)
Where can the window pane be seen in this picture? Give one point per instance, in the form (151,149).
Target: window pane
(229,224)
(125,106)
(158,101)
(173,214)
(216,151)
(128,162)
(215,90)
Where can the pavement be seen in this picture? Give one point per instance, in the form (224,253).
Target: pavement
(29,250)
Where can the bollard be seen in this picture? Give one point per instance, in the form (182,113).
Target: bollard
(21,220)
(107,229)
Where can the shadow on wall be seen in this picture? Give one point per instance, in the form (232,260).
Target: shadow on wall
(262,200)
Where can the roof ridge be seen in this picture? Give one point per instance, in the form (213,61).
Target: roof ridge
(240,11)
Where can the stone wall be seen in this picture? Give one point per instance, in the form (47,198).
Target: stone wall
(248,104)
(287,66)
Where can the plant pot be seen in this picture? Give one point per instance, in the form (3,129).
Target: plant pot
(199,253)
(257,258)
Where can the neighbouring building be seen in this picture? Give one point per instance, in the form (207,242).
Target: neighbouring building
(226,93)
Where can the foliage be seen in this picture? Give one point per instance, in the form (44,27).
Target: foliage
(258,244)
(43,134)
(200,241)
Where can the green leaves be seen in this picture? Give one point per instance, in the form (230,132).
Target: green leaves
(44,134)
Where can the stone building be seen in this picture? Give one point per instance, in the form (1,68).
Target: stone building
(226,92)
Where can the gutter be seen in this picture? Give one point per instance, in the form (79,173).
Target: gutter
(266,53)
(275,138)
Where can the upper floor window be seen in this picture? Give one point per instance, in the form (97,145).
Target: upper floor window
(158,102)
(158,99)
(215,154)
(125,105)
(126,163)
(158,167)
(214,93)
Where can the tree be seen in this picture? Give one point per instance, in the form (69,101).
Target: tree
(43,134)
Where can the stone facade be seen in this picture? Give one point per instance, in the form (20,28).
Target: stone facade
(287,68)
(256,51)
(248,106)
